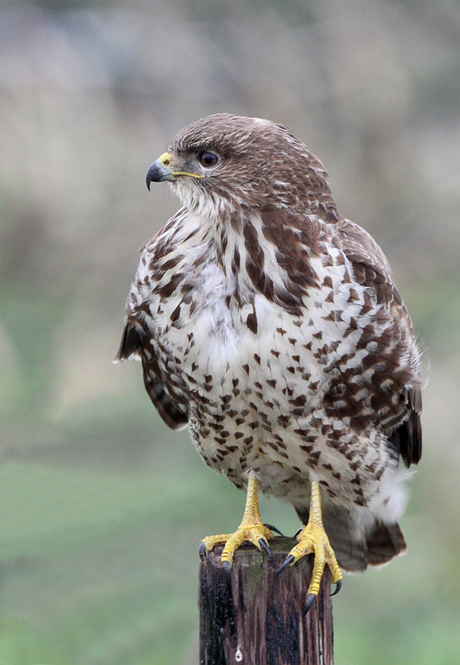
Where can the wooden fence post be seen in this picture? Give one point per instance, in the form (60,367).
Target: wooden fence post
(255,617)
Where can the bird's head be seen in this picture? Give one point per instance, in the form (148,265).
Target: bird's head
(242,161)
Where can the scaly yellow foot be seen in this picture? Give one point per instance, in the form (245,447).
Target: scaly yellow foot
(251,529)
(313,539)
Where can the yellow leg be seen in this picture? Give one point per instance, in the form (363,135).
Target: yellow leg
(313,539)
(251,528)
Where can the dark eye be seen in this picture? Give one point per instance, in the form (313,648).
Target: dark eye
(208,159)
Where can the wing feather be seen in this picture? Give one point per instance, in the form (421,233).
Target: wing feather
(132,346)
(372,269)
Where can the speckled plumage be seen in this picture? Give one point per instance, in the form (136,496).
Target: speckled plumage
(271,327)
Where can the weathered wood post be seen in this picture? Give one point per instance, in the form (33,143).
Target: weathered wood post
(255,617)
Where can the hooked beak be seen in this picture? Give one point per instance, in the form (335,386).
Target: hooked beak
(161,170)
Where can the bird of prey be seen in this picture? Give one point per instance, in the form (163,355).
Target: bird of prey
(271,327)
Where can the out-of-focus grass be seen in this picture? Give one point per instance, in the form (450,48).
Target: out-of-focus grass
(92,568)
(98,557)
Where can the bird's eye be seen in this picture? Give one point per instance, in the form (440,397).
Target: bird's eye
(208,159)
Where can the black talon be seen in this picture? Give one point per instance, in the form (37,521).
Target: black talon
(338,586)
(264,545)
(298,531)
(273,528)
(287,562)
(202,552)
(310,598)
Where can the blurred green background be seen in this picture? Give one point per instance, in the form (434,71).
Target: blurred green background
(101,507)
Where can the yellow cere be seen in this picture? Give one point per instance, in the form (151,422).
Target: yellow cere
(165,160)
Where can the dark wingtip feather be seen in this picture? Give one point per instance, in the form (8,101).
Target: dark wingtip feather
(173,417)
(130,344)
(407,438)
(131,347)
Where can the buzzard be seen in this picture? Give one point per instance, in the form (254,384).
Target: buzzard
(270,326)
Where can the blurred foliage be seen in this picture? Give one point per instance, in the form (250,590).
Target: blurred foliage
(102,507)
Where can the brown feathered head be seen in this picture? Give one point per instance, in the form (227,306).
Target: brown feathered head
(242,161)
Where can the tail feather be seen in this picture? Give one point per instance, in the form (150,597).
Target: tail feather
(384,543)
(356,543)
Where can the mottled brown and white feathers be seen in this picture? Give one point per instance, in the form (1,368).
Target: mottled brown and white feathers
(271,327)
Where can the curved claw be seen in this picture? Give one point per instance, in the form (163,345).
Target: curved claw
(299,530)
(287,562)
(310,598)
(338,586)
(264,545)
(273,528)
